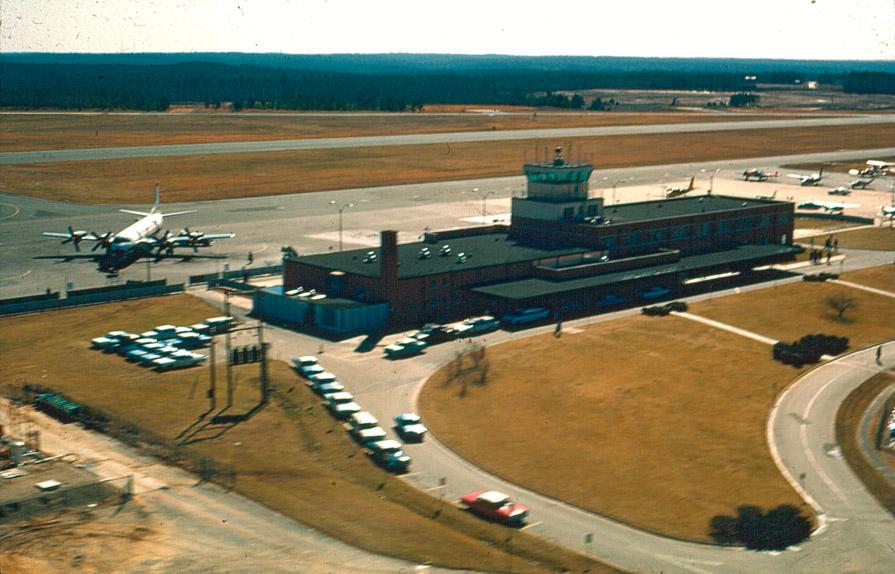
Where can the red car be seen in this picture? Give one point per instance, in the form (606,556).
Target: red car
(495,506)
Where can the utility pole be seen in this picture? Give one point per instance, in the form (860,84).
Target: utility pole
(228,351)
(263,350)
(212,391)
(484,206)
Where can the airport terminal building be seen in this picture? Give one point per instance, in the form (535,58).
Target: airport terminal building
(564,250)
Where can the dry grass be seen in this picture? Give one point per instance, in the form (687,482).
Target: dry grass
(789,311)
(848,420)
(41,132)
(882,277)
(256,174)
(818,223)
(880,238)
(658,422)
(341,492)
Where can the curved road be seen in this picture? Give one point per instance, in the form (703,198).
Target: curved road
(415,139)
(855,534)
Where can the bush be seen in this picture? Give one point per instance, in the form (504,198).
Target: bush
(777,529)
(809,349)
(823,276)
(663,310)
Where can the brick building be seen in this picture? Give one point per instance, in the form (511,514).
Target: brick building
(564,249)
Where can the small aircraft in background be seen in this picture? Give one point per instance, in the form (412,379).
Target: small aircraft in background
(874,167)
(887,210)
(677,191)
(861,183)
(758,175)
(809,179)
(828,206)
(839,191)
(771,197)
(136,241)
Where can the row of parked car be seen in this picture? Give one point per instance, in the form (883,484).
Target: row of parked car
(165,347)
(360,424)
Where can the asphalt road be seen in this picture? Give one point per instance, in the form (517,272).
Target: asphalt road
(856,534)
(309,222)
(132,152)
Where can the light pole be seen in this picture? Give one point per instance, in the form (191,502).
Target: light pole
(341,209)
(613,189)
(484,209)
(712,180)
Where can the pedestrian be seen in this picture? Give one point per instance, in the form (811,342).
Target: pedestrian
(879,355)
(829,254)
(558,331)
(836,245)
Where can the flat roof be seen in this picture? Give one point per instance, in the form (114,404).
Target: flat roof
(535,287)
(482,251)
(678,207)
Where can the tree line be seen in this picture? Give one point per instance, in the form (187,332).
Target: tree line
(154,87)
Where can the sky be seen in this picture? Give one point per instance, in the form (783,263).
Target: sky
(790,29)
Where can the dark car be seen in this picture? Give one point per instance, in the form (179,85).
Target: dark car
(434,333)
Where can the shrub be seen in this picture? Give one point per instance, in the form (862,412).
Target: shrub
(777,529)
(809,349)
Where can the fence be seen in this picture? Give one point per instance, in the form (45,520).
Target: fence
(91,296)
(236,274)
(216,282)
(148,441)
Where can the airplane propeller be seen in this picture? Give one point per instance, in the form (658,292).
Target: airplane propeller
(104,240)
(75,237)
(192,238)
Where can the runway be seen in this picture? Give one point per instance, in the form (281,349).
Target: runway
(132,152)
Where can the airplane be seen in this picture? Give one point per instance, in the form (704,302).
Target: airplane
(758,174)
(676,191)
(875,167)
(812,179)
(828,206)
(771,197)
(136,241)
(839,191)
(887,210)
(861,183)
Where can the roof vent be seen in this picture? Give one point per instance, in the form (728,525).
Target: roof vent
(462,257)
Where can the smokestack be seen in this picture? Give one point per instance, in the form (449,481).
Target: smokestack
(388,259)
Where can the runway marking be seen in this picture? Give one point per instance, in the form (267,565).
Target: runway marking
(19,276)
(17,211)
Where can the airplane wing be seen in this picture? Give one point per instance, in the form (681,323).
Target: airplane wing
(56,234)
(179,213)
(213,236)
(140,213)
(795,175)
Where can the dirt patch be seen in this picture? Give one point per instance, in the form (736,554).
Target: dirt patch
(257,174)
(63,131)
(342,493)
(657,422)
(825,224)
(848,420)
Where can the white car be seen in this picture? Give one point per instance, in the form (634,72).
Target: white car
(478,325)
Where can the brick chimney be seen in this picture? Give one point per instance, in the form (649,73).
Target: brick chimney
(388,260)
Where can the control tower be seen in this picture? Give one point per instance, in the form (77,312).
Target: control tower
(557,191)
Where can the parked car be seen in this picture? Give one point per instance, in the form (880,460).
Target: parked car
(525,316)
(344,410)
(362,420)
(104,343)
(406,347)
(654,293)
(147,358)
(369,435)
(177,362)
(433,333)
(389,455)
(610,300)
(307,366)
(322,378)
(496,506)
(220,324)
(410,427)
(326,389)
(193,340)
(477,325)
(134,355)
(166,331)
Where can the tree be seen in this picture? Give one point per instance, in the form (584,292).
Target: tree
(743,100)
(840,304)
(779,528)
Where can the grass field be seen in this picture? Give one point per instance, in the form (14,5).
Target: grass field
(242,175)
(882,277)
(62,131)
(658,422)
(848,420)
(787,312)
(647,409)
(292,446)
(880,238)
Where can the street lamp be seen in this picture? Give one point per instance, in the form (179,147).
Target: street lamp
(341,209)
(484,210)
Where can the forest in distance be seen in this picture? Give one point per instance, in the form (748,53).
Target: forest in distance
(390,82)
